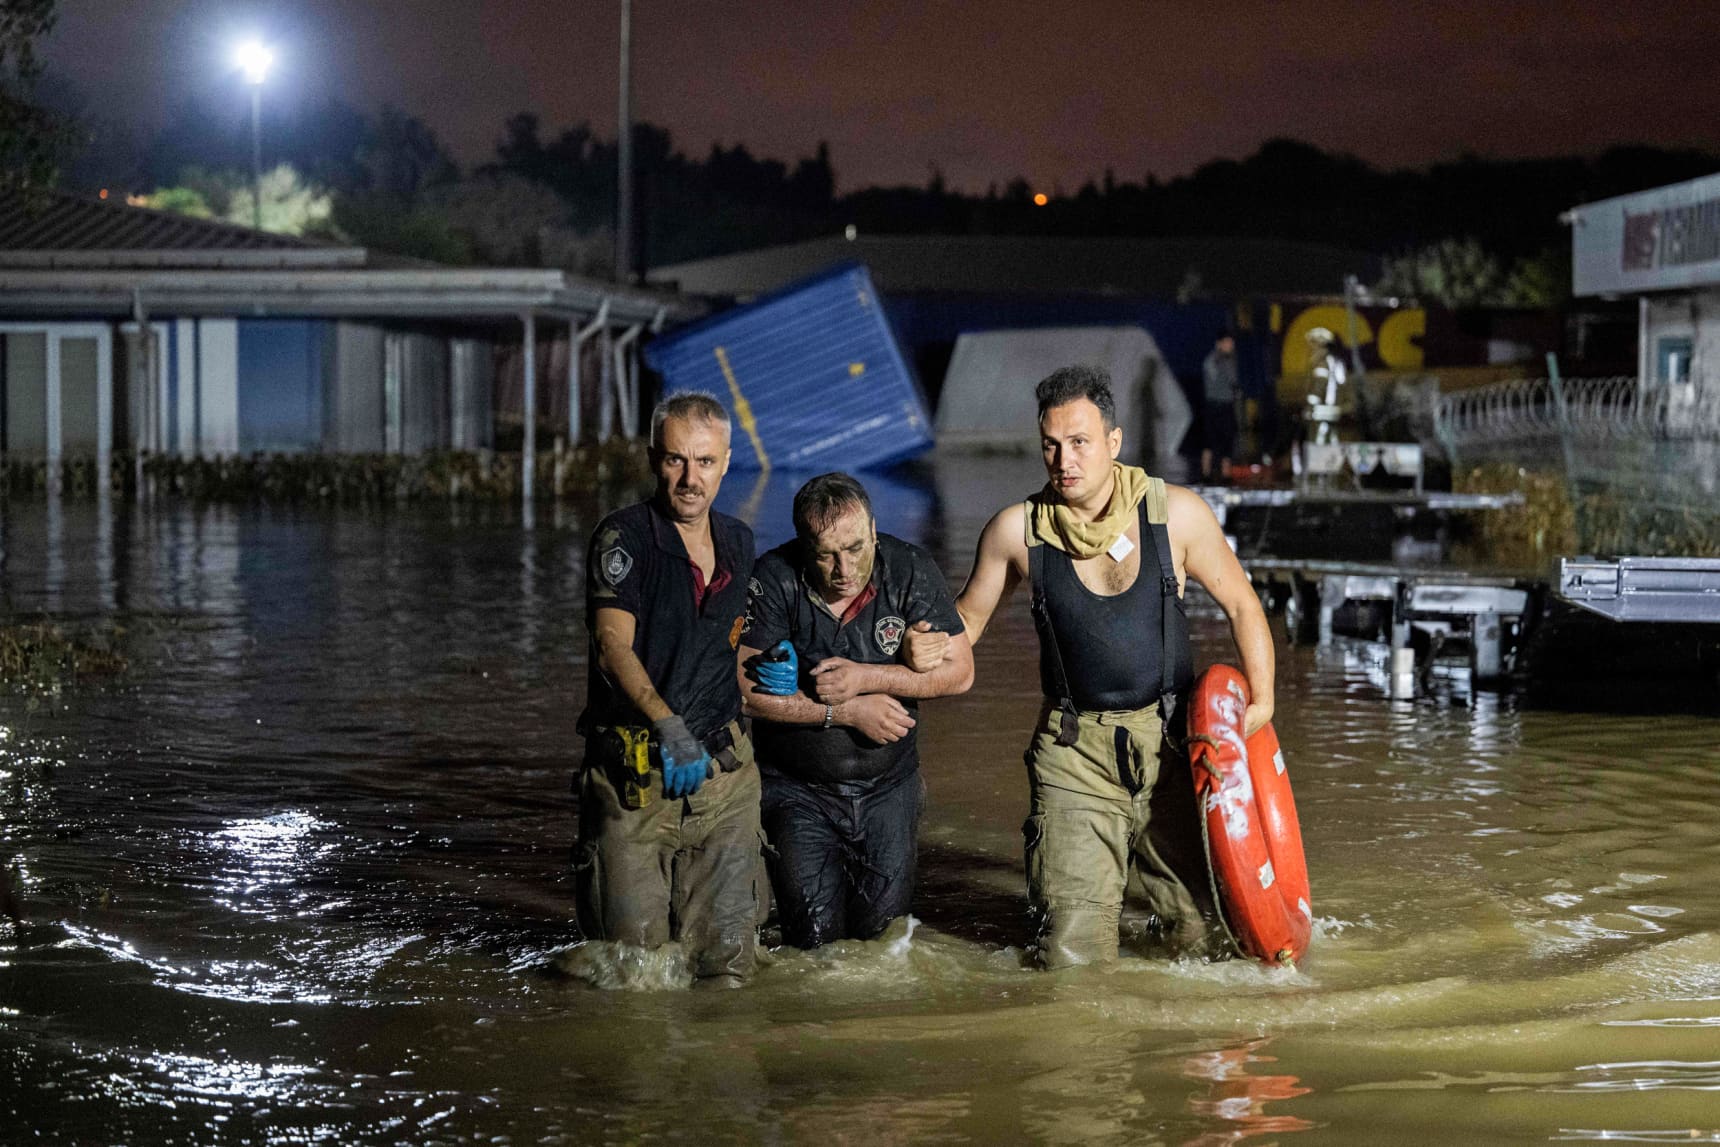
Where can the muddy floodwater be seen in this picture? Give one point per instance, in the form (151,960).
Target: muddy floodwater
(300,876)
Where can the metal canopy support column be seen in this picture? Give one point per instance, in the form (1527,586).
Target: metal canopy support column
(528,452)
(577,338)
(627,380)
(143,387)
(605,392)
(55,415)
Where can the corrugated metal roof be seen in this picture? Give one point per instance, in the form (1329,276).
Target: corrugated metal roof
(80,256)
(69,223)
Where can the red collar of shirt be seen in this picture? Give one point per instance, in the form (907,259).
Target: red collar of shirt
(702,592)
(859,603)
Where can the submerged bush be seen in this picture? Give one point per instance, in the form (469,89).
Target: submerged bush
(1549,524)
(42,655)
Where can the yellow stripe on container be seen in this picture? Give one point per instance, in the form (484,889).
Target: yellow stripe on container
(743,408)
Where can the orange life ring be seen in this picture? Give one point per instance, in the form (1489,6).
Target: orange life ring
(1248,820)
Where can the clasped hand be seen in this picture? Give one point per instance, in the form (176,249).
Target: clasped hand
(925,648)
(779,677)
(837,679)
(686,762)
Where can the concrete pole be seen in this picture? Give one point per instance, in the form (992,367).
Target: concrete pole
(578,337)
(626,382)
(605,391)
(528,452)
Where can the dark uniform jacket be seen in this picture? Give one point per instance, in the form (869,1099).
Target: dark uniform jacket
(638,563)
(909,589)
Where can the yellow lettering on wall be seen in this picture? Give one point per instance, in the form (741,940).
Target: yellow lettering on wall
(1398,348)
(1296,358)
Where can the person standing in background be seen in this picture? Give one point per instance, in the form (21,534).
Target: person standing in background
(1221,399)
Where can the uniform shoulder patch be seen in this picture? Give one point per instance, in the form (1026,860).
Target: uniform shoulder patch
(888,633)
(616,563)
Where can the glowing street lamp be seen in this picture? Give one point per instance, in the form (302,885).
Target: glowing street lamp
(254,59)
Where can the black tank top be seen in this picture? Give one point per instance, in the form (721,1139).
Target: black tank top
(1112,649)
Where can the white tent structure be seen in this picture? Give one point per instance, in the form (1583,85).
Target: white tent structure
(987,400)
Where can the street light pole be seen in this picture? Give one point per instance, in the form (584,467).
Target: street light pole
(255,59)
(257,156)
(624,153)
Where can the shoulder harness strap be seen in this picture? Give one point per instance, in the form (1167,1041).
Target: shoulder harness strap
(1155,515)
(1067,727)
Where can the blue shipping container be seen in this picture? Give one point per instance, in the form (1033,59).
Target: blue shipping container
(811,373)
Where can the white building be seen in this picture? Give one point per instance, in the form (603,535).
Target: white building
(121,326)
(1662,246)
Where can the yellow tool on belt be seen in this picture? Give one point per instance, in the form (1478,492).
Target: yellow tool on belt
(635,765)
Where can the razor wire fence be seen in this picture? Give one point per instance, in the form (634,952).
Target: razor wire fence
(1521,412)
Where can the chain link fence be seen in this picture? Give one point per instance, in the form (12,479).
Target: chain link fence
(1640,465)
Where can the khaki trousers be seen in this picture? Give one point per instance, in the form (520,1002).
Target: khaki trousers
(1112,810)
(689,869)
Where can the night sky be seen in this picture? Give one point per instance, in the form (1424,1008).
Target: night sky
(1055,92)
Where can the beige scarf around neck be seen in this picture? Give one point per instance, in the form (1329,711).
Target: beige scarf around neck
(1050,521)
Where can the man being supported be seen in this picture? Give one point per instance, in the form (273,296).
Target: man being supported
(836,744)
(1105,550)
(668,803)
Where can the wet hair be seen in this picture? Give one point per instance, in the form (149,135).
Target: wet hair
(689,406)
(824,499)
(1072,383)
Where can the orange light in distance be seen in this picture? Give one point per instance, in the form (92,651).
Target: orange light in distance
(1041,199)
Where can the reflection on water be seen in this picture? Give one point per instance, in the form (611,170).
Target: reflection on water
(300,876)
(1238,1097)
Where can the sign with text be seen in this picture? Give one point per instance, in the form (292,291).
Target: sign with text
(1650,241)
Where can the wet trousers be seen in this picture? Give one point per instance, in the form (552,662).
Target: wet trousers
(1107,814)
(686,870)
(841,867)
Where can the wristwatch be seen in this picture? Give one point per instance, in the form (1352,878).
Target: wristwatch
(829,715)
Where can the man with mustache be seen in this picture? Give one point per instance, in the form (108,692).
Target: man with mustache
(1105,550)
(668,801)
(836,744)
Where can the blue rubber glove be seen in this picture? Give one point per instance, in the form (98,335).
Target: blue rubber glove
(778,670)
(686,763)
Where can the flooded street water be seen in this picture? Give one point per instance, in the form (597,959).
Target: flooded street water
(300,875)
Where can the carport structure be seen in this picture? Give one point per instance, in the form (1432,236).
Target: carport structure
(200,338)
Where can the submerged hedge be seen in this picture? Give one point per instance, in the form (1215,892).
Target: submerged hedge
(1550,523)
(453,475)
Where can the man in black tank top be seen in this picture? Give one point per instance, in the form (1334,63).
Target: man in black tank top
(834,720)
(1105,550)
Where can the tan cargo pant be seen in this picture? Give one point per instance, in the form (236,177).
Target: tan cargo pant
(1092,834)
(689,869)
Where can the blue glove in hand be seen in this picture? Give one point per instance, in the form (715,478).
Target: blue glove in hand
(685,761)
(778,670)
